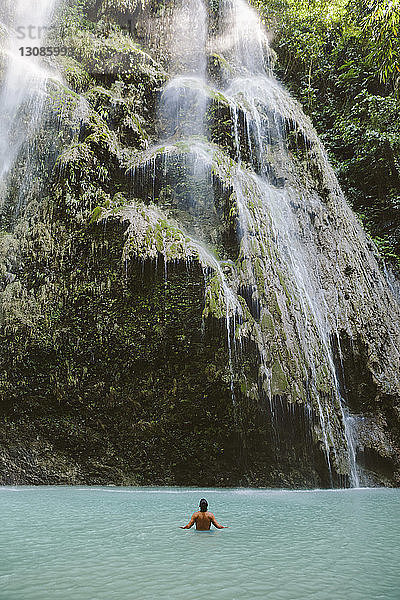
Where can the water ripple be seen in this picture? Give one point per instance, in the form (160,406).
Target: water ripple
(60,543)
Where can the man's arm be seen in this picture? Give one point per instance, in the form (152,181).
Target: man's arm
(191,522)
(215,522)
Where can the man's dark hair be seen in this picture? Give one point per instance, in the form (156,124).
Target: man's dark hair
(203,505)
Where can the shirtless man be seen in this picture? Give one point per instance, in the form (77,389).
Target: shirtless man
(203,518)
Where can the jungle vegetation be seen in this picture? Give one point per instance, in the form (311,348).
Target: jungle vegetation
(340,58)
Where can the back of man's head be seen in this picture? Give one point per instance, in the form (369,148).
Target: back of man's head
(203,505)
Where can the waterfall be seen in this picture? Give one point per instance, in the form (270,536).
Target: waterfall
(24,87)
(183,102)
(281,291)
(33,92)
(255,92)
(181,115)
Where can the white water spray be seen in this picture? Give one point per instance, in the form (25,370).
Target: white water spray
(23,90)
(286,289)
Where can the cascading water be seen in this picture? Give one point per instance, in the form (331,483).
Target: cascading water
(182,113)
(184,102)
(24,86)
(250,89)
(38,114)
(32,90)
(282,219)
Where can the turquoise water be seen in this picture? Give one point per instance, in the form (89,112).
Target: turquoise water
(94,543)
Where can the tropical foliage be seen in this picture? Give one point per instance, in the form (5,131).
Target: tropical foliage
(341,59)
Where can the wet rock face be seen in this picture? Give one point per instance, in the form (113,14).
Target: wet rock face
(187,299)
(126,384)
(376,413)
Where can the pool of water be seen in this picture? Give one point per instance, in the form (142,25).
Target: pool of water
(115,543)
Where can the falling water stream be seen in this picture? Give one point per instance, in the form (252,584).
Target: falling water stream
(23,90)
(265,185)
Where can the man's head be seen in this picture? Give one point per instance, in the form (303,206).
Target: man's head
(203,505)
